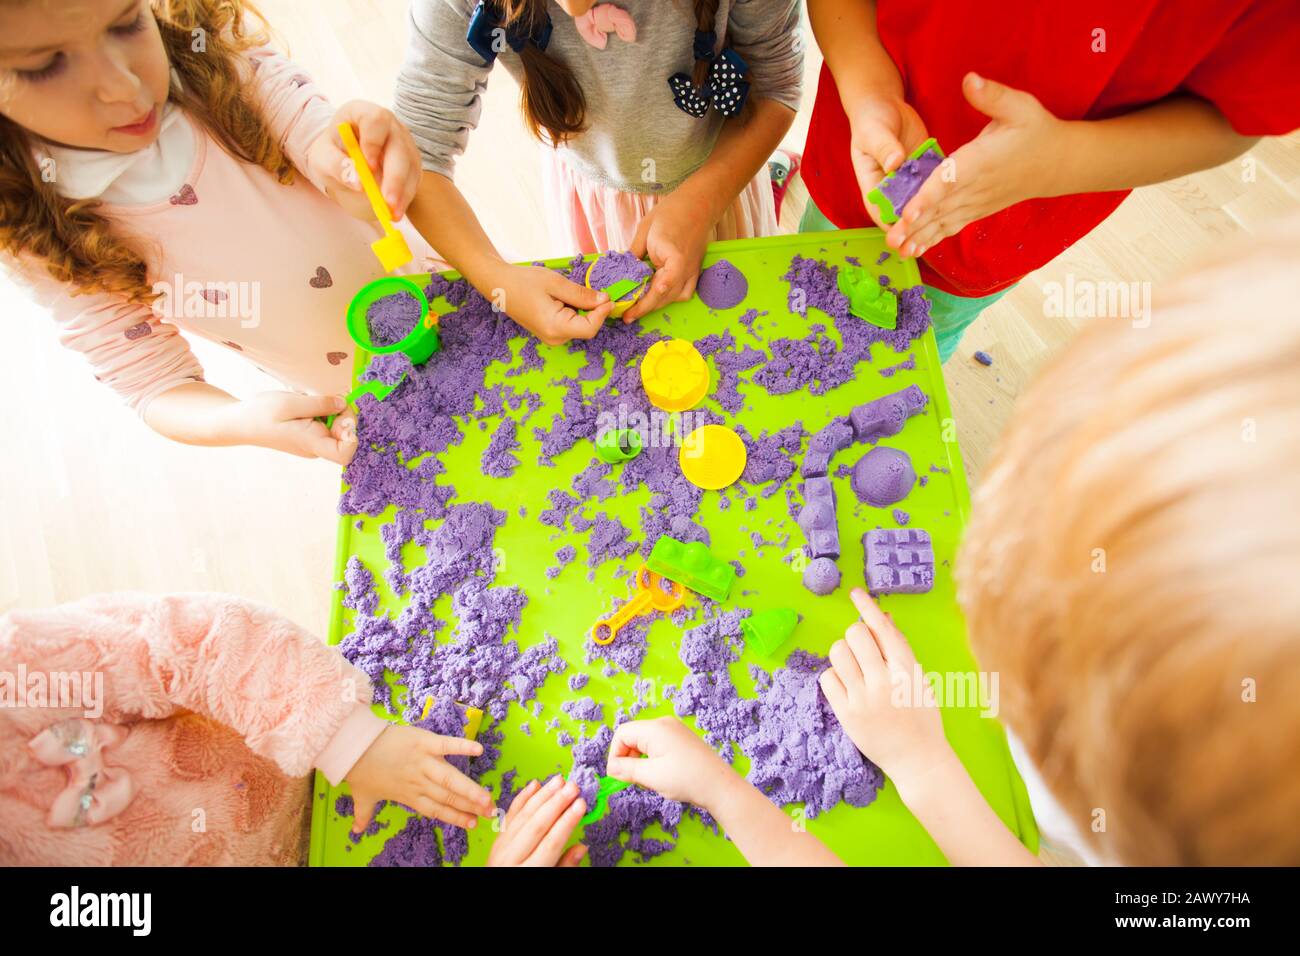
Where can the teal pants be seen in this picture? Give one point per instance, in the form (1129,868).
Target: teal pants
(950,314)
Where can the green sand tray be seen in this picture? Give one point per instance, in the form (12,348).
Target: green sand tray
(882,833)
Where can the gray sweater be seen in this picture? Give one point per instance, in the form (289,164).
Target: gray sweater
(636,140)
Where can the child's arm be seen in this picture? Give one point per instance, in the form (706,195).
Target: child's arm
(765,33)
(196,413)
(542,301)
(300,116)
(675,232)
(150,365)
(293,699)
(883,128)
(1027,153)
(908,744)
(666,756)
(439,99)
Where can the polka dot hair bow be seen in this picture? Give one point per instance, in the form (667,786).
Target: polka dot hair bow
(724,88)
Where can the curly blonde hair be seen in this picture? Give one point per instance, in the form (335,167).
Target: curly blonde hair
(1131,568)
(77,244)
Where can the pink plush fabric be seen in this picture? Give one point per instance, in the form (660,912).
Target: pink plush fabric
(213,712)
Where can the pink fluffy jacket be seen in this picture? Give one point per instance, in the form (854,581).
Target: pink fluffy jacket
(178,730)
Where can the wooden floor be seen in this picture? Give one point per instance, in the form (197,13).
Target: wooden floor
(94,501)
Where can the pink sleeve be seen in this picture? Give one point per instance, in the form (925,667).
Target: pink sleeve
(130,349)
(294,107)
(292,698)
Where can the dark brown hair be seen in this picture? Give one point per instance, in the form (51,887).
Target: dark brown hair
(550,97)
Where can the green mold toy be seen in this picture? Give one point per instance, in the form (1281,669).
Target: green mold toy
(868,300)
(692,566)
(617,445)
(767,631)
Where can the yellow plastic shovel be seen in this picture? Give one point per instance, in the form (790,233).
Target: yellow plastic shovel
(391,247)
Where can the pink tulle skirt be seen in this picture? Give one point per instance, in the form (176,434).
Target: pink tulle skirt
(588,217)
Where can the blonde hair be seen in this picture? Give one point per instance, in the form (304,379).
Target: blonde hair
(1133,570)
(75,242)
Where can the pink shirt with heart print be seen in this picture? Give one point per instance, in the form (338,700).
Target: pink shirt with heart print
(259,267)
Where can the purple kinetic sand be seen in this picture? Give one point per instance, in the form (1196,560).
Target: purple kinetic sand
(880,260)
(497,461)
(886,416)
(883,476)
(823,445)
(817,361)
(578,681)
(898,561)
(797,750)
(905,366)
(822,576)
(817,519)
(360,586)
(583,709)
(984,358)
(722,286)
(344,807)
(613,267)
(607,541)
(472,653)
(391,318)
(906,181)
(770,458)
(901,516)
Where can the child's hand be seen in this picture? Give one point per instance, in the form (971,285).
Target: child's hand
(867,666)
(546,303)
(406,765)
(286,421)
(1017,156)
(390,152)
(677,763)
(675,235)
(883,133)
(539,822)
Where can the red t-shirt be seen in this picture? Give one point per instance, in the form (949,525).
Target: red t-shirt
(1241,55)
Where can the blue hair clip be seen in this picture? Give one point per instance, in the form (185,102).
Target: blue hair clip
(487,37)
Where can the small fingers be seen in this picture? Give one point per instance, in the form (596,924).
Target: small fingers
(429,807)
(442,746)
(573,855)
(846,663)
(836,693)
(434,789)
(520,801)
(397,185)
(445,775)
(894,646)
(551,848)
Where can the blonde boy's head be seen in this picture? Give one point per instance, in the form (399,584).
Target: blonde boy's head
(1133,571)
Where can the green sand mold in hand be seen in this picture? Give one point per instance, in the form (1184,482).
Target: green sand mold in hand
(622,276)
